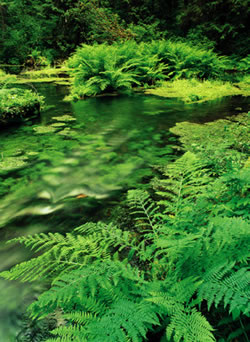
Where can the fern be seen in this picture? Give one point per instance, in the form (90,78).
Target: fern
(192,253)
(75,287)
(185,180)
(185,323)
(73,251)
(143,209)
(124,321)
(189,326)
(226,283)
(182,265)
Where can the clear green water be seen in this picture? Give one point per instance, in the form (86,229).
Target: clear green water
(60,170)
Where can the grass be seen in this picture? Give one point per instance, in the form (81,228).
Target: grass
(193,90)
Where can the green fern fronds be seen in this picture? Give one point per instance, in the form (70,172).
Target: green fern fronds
(61,253)
(125,321)
(224,283)
(143,209)
(185,179)
(108,280)
(189,326)
(72,251)
(185,323)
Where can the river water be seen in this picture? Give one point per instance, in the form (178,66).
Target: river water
(76,158)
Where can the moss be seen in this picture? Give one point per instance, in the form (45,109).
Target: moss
(47,75)
(192,90)
(64,118)
(58,124)
(68,132)
(17,104)
(11,163)
(244,85)
(44,129)
(223,142)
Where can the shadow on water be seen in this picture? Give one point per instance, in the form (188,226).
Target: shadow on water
(56,171)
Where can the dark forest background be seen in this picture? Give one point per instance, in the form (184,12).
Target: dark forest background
(54,28)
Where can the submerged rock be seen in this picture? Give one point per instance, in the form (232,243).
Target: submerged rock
(64,118)
(44,129)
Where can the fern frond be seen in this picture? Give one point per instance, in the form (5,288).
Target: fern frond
(125,320)
(225,284)
(81,318)
(186,178)
(36,268)
(105,279)
(189,326)
(143,209)
(68,333)
(64,253)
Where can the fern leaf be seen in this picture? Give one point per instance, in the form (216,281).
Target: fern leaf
(143,208)
(189,326)
(223,283)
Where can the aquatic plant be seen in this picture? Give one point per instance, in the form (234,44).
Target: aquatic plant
(227,148)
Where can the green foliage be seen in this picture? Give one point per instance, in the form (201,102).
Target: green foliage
(144,32)
(38,32)
(121,66)
(185,179)
(185,60)
(17,103)
(228,27)
(184,261)
(222,284)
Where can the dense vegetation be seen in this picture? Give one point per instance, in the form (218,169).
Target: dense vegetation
(158,244)
(178,272)
(39,32)
(120,67)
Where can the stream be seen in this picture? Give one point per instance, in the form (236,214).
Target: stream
(77,158)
